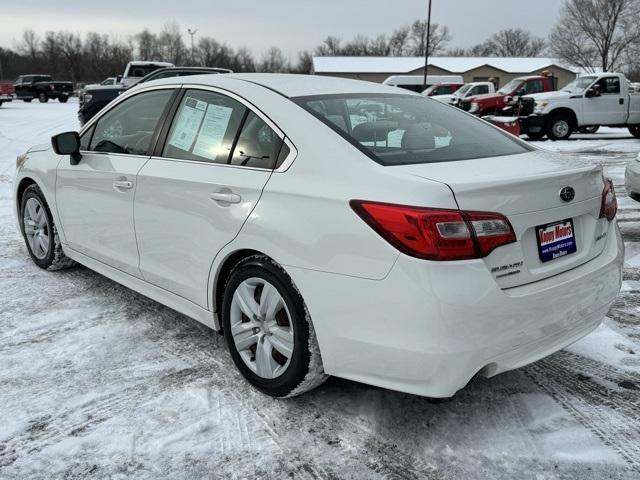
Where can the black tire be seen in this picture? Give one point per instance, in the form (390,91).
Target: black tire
(27,100)
(559,127)
(42,97)
(304,371)
(592,129)
(535,135)
(634,130)
(63,99)
(54,259)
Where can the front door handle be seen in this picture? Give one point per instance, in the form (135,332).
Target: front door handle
(122,185)
(225,197)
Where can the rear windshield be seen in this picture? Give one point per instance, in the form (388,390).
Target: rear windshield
(408,129)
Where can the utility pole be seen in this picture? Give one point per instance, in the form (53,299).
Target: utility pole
(426,50)
(193,34)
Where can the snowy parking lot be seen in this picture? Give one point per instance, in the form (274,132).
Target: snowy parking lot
(97,381)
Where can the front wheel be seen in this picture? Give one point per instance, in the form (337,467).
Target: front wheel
(634,130)
(63,99)
(40,233)
(560,127)
(42,97)
(269,331)
(27,100)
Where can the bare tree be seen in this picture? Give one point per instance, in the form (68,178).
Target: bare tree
(274,61)
(515,42)
(147,45)
(171,43)
(330,47)
(359,46)
(596,33)
(440,37)
(399,41)
(30,44)
(304,64)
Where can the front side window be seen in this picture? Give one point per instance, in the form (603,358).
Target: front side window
(513,86)
(609,85)
(405,129)
(204,127)
(534,86)
(129,126)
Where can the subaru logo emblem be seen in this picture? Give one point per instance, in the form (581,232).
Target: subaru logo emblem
(567,194)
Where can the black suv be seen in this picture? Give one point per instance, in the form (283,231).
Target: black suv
(96,98)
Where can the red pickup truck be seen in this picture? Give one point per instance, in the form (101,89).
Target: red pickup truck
(6,92)
(494,103)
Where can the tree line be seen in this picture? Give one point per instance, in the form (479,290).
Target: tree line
(591,34)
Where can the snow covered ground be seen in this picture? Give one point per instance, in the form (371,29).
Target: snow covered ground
(97,381)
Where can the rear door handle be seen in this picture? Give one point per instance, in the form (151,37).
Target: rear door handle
(225,197)
(122,185)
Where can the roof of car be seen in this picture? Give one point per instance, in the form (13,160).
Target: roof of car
(288,85)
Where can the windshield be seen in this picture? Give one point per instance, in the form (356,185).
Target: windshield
(407,129)
(510,87)
(579,85)
(462,90)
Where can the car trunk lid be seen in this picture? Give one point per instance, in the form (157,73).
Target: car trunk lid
(526,189)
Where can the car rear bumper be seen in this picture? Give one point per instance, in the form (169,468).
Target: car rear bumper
(430,327)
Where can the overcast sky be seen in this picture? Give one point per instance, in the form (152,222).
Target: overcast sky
(291,25)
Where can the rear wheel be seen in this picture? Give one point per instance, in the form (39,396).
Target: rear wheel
(63,99)
(559,127)
(634,130)
(42,97)
(591,129)
(40,233)
(269,331)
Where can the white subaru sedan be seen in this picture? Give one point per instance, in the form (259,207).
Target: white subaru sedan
(330,227)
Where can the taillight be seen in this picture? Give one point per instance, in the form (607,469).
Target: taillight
(436,234)
(609,206)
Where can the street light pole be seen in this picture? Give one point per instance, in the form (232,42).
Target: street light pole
(193,34)
(426,50)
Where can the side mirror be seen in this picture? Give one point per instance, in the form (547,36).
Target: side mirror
(522,92)
(590,93)
(67,143)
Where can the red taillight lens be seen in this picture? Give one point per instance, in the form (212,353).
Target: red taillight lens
(609,206)
(436,234)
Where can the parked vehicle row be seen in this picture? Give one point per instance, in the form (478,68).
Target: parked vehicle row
(94,98)
(330,227)
(468,90)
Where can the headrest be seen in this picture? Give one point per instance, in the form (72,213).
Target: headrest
(418,137)
(374,131)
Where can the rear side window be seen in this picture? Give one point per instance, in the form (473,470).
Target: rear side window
(129,126)
(407,129)
(204,127)
(258,145)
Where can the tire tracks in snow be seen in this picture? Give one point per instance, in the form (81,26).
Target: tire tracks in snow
(601,398)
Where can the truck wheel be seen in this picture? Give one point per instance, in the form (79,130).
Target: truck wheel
(42,97)
(535,135)
(591,129)
(560,127)
(634,130)
(27,100)
(63,99)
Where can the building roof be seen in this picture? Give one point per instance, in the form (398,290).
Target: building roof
(450,64)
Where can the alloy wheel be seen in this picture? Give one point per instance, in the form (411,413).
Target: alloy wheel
(36,228)
(261,328)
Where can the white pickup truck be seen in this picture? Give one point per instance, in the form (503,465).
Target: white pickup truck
(591,100)
(466,91)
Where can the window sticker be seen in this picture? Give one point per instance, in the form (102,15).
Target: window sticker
(210,139)
(188,123)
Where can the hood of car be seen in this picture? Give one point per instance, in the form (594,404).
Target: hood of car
(550,95)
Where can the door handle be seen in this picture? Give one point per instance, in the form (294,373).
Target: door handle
(122,185)
(225,197)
